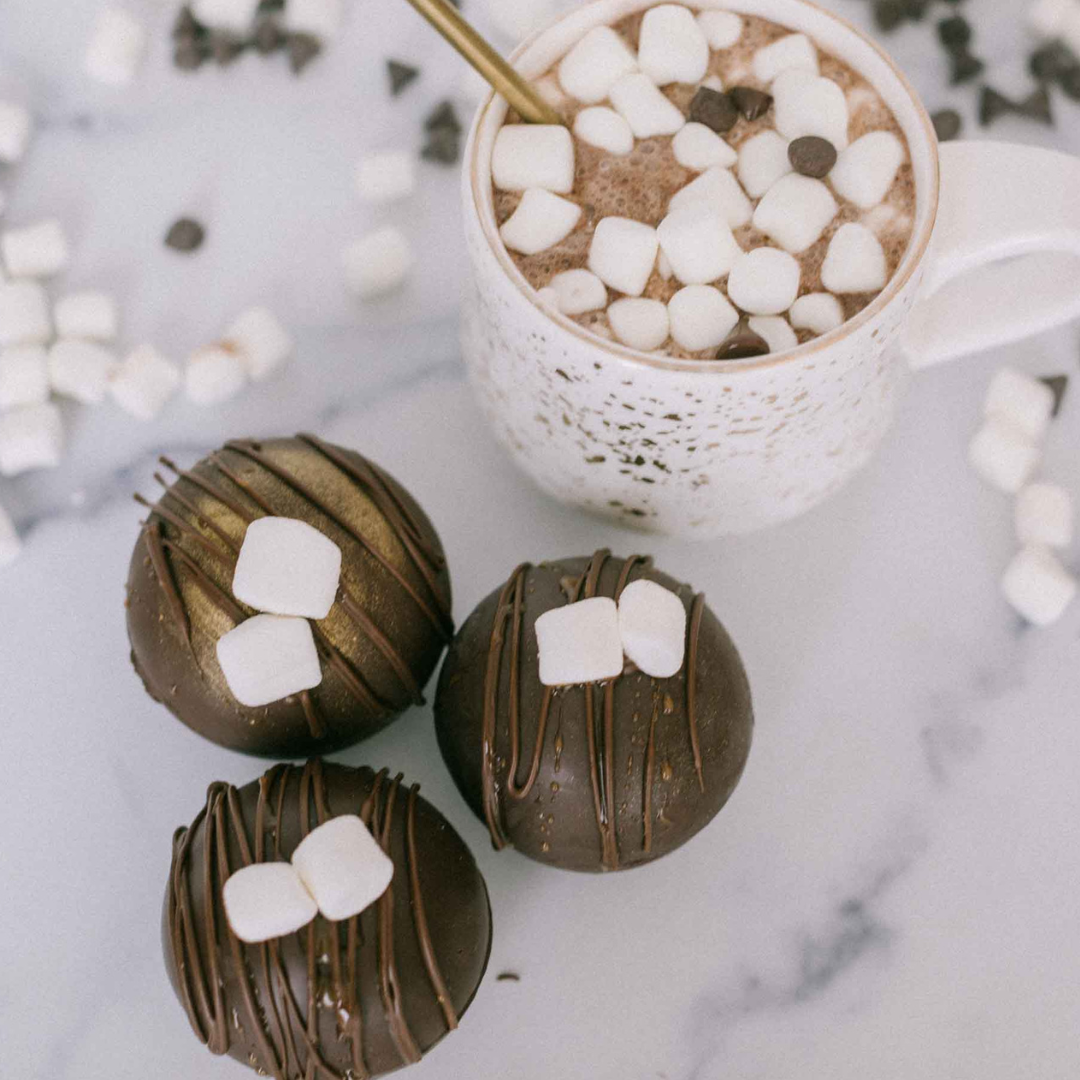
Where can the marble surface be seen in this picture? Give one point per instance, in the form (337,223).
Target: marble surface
(892,890)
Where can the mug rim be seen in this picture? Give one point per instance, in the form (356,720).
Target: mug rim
(912,260)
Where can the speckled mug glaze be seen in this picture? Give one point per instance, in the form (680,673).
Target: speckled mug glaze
(701,449)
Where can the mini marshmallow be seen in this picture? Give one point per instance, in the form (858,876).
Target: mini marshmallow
(776,331)
(886,219)
(663,266)
(808,104)
(578,291)
(115,49)
(533,156)
(267,658)
(1044,515)
(763,159)
(700,317)
(90,315)
(1002,455)
(855,261)
(672,47)
(652,625)
(24,376)
(719,187)
(699,244)
(793,51)
(235,15)
(516,19)
(640,324)
(266,900)
(24,314)
(262,343)
(1037,586)
(605,128)
(865,171)
(722,29)
(699,148)
(713,82)
(549,296)
(764,281)
(320,18)
(144,383)
(593,66)
(15,126)
(645,108)
(35,251)
(31,437)
(386,177)
(10,544)
(1026,402)
(579,643)
(795,212)
(287,567)
(343,867)
(213,375)
(377,263)
(1046,17)
(819,312)
(80,370)
(622,254)
(540,221)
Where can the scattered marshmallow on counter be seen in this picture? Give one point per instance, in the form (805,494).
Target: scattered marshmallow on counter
(1044,516)
(1037,586)
(266,900)
(817,312)
(795,211)
(213,374)
(763,159)
(15,127)
(1023,400)
(593,66)
(89,315)
(854,262)
(639,324)
(116,48)
(776,332)
(267,658)
(24,376)
(31,437)
(652,627)
(604,128)
(719,187)
(722,29)
(1002,454)
(808,104)
(578,291)
(699,148)
(377,263)
(580,643)
(235,15)
(35,251)
(386,177)
(24,314)
(80,370)
(672,48)
(320,18)
(622,254)
(262,343)
(644,107)
(540,221)
(144,382)
(700,317)
(764,281)
(10,544)
(865,171)
(534,156)
(793,51)
(698,243)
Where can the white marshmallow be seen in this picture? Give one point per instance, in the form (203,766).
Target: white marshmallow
(213,375)
(593,66)
(764,281)
(35,251)
(640,324)
(115,49)
(80,370)
(722,29)
(699,148)
(377,263)
(793,51)
(1044,515)
(10,544)
(1037,586)
(287,567)
(262,342)
(855,261)
(672,47)
(763,160)
(700,317)
(645,108)
(386,177)
(579,643)
(819,312)
(698,243)
(865,171)
(343,867)
(603,127)
(24,376)
(1002,455)
(236,15)
(795,211)
(540,221)
(30,438)
(713,82)
(719,187)
(516,19)
(24,314)
(622,254)
(663,266)
(320,18)
(885,219)
(533,156)
(15,127)
(578,291)
(90,315)
(1046,17)
(652,625)
(144,382)
(267,658)
(808,104)
(266,900)
(1026,402)
(776,331)
(547,295)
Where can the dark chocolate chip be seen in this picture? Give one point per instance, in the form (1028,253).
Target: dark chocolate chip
(753,104)
(992,105)
(954,33)
(713,109)
(915,9)
(965,67)
(1053,61)
(187,27)
(1070,84)
(888,14)
(269,37)
(1036,106)
(947,124)
(303,48)
(225,47)
(400,75)
(742,344)
(1058,385)
(443,146)
(443,118)
(185,234)
(190,54)
(812,156)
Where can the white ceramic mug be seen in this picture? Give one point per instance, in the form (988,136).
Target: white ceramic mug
(703,448)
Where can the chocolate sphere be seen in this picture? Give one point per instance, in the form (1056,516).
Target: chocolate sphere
(598,776)
(378,645)
(356,998)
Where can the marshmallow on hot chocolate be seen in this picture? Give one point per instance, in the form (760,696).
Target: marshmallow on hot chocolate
(763,159)
(1025,402)
(865,171)
(639,324)
(775,330)
(90,315)
(722,29)
(855,261)
(578,291)
(672,47)
(144,382)
(764,281)
(700,317)
(266,900)
(540,221)
(604,128)
(534,156)
(793,51)
(580,643)
(1044,515)
(699,148)
(1002,454)
(377,263)
(808,104)
(267,658)
(35,251)
(31,437)
(15,126)
(644,107)
(116,48)
(720,188)
(1038,587)
(593,66)
(80,370)
(652,626)
(622,254)
(698,243)
(818,312)
(795,211)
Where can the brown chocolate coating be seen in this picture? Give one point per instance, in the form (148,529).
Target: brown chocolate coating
(601,776)
(381,640)
(356,998)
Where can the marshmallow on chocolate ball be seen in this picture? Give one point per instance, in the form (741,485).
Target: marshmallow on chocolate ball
(561,740)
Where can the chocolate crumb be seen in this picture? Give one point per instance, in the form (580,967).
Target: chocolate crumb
(443,118)
(191,54)
(187,27)
(965,67)
(508,976)
(303,48)
(915,9)
(225,48)
(947,124)
(401,75)
(1058,385)
(1070,84)
(888,14)
(753,104)
(713,109)
(992,105)
(443,146)
(1053,61)
(185,234)
(954,33)
(268,37)
(1036,106)
(811,155)
(268,7)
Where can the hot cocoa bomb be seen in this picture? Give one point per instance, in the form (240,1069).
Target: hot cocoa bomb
(377,646)
(356,998)
(601,775)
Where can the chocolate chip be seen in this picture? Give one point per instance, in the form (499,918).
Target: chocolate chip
(947,124)
(303,48)
(1058,385)
(812,156)
(225,48)
(443,146)
(1070,84)
(915,9)
(185,234)
(1053,61)
(742,344)
(954,33)
(443,118)
(753,104)
(269,37)
(187,27)
(888,14)
(965,67)
(190,54)
(400,75)
(992,105)
(1036,106)
(713,109)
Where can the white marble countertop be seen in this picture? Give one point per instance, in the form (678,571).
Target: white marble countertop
(892,891)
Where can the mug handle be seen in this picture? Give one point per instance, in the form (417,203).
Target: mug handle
(1005,259)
